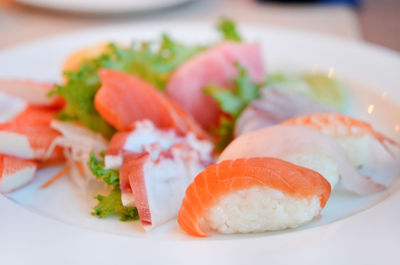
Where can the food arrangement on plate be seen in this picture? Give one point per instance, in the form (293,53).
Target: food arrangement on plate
(200,134)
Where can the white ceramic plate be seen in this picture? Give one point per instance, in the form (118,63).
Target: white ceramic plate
(53,226)
(104,6)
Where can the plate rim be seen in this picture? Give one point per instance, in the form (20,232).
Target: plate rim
(54,225)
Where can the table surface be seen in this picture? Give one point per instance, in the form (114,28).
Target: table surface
(19,23)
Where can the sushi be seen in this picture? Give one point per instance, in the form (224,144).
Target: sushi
(304,147)
(252,195)
(371,152)
(214,66)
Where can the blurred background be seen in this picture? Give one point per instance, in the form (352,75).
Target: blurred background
(376,21)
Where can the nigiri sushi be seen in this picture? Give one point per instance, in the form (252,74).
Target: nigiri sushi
(124,99)
(369,151)
(214,66)
(15,173)
(252,195)
(304,147)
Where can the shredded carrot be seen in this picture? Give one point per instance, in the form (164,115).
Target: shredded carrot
(59,175)
(81,168)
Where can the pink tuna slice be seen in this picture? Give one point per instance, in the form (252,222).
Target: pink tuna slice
(15,173)
(159,185)
(215,66)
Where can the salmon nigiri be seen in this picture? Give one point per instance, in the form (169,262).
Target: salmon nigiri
(367,149)
(214,66)
(124,99)
(15,173)
(252,195)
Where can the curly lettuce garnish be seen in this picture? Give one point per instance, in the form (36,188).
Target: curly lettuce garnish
(110,205)
(228,29)
(232,102)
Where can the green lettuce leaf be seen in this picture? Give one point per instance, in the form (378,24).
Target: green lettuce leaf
(111,204)
(232,102)
(151,62)
(227,28)
(109,176)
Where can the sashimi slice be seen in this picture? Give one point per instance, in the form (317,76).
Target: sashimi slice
(15,173)
(273,107)
(124,99)
(211,187)
(34,93)
(146,138)
(158,185)
(215,66)
(305,147)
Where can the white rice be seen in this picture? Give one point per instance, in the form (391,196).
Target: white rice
(322,163)
(260,209)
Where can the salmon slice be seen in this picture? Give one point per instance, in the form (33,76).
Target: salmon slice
(215,66)
(15,173)
(29,135)
(123,99)
(34,93)
(234,175)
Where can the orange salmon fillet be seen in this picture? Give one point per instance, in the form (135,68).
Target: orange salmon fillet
(123,99)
